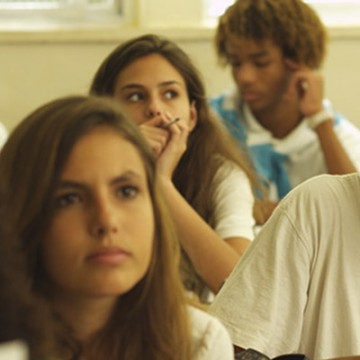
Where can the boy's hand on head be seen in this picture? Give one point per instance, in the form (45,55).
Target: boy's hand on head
(307,86)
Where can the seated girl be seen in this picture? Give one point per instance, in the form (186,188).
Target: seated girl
(83,198)
(207,182)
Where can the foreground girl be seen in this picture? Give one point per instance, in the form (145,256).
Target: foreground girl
(84,201)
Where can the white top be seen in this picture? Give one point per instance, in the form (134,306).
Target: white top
(3,135)
(284,162)
(296,289)
(210,339)
(302,146)
(13,350)
(233,203)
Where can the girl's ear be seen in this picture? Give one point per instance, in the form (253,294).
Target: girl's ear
(193,116)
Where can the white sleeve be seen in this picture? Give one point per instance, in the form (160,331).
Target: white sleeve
(233,203)
(211,341)
(262,302)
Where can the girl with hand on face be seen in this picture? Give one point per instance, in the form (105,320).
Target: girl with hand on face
(83,198)
(207,182)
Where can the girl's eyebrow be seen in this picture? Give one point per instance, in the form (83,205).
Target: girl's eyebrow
(132,86)
(74,184)
(140,86)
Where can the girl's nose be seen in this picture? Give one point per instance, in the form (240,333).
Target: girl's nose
(103,222)
(153,109)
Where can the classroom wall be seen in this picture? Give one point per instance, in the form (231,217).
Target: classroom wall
(39,69)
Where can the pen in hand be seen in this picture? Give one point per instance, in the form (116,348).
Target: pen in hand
(166,125)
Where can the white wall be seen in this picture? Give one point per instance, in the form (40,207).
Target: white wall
(35,69)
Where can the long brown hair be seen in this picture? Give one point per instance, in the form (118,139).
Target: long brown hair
(23,316)
(194,175)
(151,320)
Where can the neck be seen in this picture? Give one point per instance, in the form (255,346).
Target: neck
(280,121)
(86,316)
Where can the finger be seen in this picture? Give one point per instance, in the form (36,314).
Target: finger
(168,124)
(155,136)
(153,122)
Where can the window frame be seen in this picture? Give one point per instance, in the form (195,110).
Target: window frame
(68,14)
(334,13)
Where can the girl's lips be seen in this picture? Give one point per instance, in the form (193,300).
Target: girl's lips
(108,256)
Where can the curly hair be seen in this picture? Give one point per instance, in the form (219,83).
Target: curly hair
(292,25)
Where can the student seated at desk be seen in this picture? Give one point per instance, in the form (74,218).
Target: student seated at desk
(208,184)
(82,195)
(275,49)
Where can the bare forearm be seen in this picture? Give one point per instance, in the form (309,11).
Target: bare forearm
(336,158)
(211,256)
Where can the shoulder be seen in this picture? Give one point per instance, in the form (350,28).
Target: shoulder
(231,179)
(13,350)
(210,338)
(325,188)
(228,168)
(323,201)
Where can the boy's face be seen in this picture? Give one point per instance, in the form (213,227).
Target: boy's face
(260,73)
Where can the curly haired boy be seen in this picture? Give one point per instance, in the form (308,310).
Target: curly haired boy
(275,49)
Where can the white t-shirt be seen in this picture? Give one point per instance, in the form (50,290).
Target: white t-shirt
(210,338)
(233,203)
(283,162)
(13,350)
(296,289)
(3,135)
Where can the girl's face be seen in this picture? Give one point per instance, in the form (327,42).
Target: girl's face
(150,87)
(100,239)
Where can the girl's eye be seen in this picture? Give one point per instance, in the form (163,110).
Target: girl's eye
(170,94)
(135,97)
(66,200)
(127,191)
